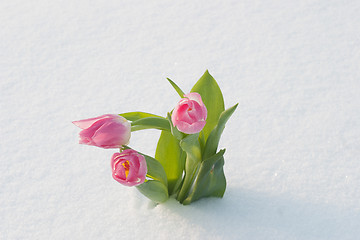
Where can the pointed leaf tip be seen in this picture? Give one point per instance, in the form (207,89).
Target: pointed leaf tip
(214,137)
(213,99)
(176,87)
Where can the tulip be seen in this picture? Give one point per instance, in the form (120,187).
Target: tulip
(190,114)
(129,167)
(106,131)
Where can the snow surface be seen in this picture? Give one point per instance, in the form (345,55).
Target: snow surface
(293,145)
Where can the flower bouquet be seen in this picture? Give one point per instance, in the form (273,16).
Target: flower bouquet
(187,164)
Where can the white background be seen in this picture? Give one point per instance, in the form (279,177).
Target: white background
(293,145)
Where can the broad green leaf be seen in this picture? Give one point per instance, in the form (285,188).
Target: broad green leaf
(191,146)
(154,190)
(214,137)
(133,116)
(212,98)
(168,153)
(210,181)
(150,122)
(154,169)
(176,87)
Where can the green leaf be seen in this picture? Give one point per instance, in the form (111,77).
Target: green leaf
(154,169)
(214,137)
(169,154)
(191,146)
(176,87)
(142,120)
(154,190)
(133,116)
(150,122)
(212,98)
(210,181)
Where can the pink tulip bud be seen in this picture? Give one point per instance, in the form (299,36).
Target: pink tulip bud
(190,114)
(106,131)
(129,167)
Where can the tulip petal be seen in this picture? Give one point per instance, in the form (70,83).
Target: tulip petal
(120,172)
(86,123)
(111,135)
(135,171)
(196,113)
(87,134)
(191,128)
(195,97)
(183,113)
(189,114)
(133,168)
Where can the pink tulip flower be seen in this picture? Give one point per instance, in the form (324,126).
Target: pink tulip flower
(190,114)
(129,167)
(106,131)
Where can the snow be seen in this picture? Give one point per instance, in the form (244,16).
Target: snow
(293,145)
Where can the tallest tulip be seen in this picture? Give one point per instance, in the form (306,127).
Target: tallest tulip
(190,114)
(106,131)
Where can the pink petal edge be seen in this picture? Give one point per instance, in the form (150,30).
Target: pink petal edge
(86,123)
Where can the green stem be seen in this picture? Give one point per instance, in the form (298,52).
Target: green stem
(188,181)
(191,146)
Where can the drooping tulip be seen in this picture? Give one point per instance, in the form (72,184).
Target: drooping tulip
(106,131)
